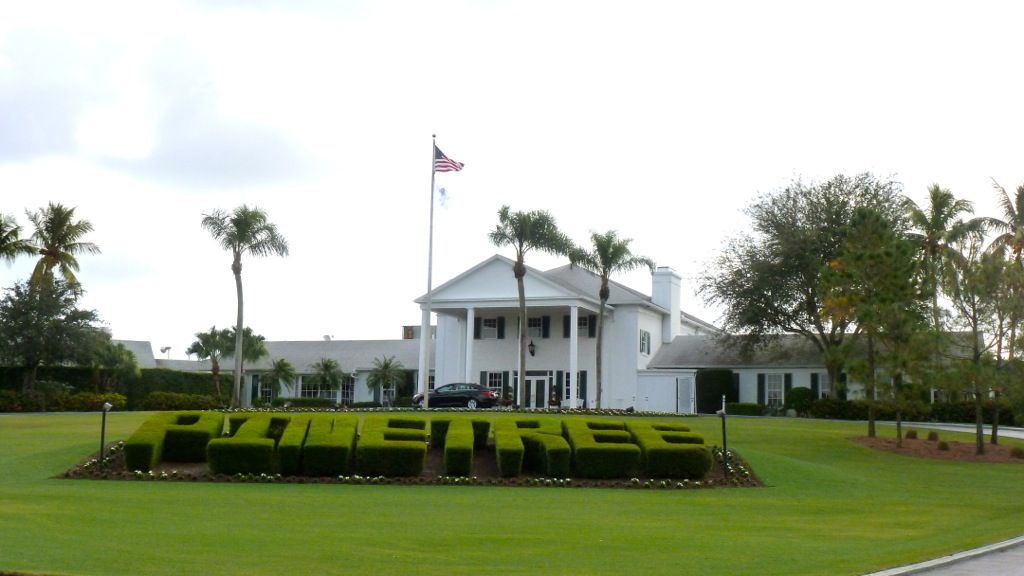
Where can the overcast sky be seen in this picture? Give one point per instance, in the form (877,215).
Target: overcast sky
(659,120)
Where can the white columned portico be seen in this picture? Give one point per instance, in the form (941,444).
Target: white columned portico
(573,355)
(423,372)
(470,322)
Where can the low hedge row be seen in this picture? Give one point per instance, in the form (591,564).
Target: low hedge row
(458,448)
(303,402)
(58,400)
(534,445)
(962,412)
(392,446)
(173,436)
(289,446)
(670,451)
(329,446)
(744,408)
(601,449)
(250,448)
(179,401)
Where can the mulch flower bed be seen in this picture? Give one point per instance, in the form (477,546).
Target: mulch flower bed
(924,448)
(737,474)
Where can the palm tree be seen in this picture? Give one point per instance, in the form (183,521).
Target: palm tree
(938,226)
(117,363)
(525,231)
(326,374)
(1010,237)
(12,244)
(253,346)
(282,370)
(58,239)
(386,372)
(609,255)
(212,345)
(246,230)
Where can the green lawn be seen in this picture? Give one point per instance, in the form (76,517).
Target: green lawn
(832,507)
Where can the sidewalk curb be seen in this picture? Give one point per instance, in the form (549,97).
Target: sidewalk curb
(951,559)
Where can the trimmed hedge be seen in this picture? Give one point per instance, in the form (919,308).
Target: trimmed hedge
(145,447)
(289,447)
(250,450)
(329,446)
(744,408)
(395,446)
(188,434)
(532,444)
(668,452)
(179,401)
(601,449)
(546,454)
(303,402)
(509,450)
(458,448)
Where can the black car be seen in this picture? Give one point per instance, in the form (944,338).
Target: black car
(460,394)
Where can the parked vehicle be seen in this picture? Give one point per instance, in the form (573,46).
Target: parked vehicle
(459,394)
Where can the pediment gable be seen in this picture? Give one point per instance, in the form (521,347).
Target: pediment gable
(493,280)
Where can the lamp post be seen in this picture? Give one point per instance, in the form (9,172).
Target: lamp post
(103,429)
(725,443)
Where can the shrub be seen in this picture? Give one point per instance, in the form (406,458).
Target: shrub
(10,401)
(144,448)
(439,429)
(178,401)
(329,446)
(509,449)
(933,436)
(964,412)
(601,449)
(1017,452)
(93,402)
(911,435)
(670,453)
(289,446)
(187,434)
(458,448)
(546,454)
(800,399)
(392,446)
(481,429)
(165,380)
(249,451)
(744,408)
(942,445)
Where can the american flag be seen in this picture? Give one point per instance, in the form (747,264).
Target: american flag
(443,163)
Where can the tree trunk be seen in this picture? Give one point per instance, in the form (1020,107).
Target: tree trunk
(994,439)
(899,428)
(870,389)
(236,400)
(520,272)
(979,424)
(28,379)
(215,370)
(598,372)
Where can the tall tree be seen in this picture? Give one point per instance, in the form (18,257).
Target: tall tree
(12,244)
(387,372)
(281,370)
(608,254)
(1010,237)
(327,374)
(525,231)
(243,231)
(43,325)
(58,240)
(936,227)
(970,285)
(770,280)
(213,345)
(116,364)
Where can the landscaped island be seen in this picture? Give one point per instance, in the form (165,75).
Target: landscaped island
(334,444)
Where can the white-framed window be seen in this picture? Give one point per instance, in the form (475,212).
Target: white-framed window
(824,390)
(645,342)
(567,386)
(348,390)
(263,388)
(583,326)
(310,390)
(494,382)
(489,329)
(535,327)
(773,390)
(430,381)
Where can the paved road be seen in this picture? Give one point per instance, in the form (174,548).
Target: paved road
(1001,559)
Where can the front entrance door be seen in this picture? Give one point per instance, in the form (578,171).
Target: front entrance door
(538,389)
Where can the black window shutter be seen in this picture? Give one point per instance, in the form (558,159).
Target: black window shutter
(734,392)
(504,384)
(477,323)
(760,388)
(501,327)
(545,327)
(566,321)
(559,377)
(815,386)
(592,326)
(483,378)
(787,382)
(583,386)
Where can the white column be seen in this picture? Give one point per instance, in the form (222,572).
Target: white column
(470,321)
(424,365)
(574,367)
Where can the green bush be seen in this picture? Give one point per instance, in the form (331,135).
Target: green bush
(964,412)
(187,435)
(933,436)
(942,445)
(670,453)
(546,454)
(744,408)
(481,429)
(249,451)
(392,446)
(601,449)
(93,402)
(911,435)
(144,448)
(1017,452)
(438,430)
(458,448)
(10,401)
(329,446)
(509,449)
(165,380)
(178,401)
(289,447)
(800,399)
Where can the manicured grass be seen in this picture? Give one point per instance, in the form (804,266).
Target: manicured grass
(832,507)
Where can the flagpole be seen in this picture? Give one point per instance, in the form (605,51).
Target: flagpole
(424,367)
